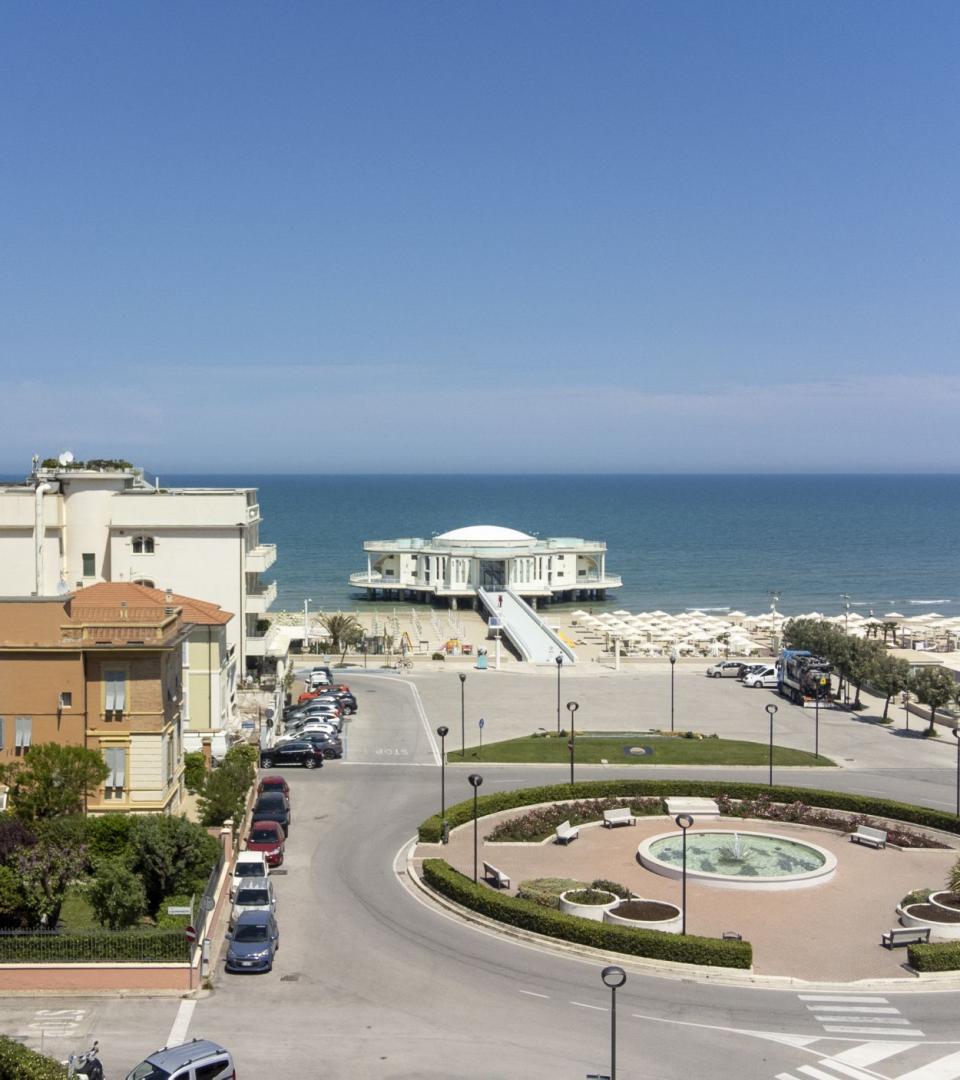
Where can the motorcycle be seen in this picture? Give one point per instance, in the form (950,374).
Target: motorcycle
(85,1066)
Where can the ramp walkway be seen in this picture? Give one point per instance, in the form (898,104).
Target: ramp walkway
(526,630)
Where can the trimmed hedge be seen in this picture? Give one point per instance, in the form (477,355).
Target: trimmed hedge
(939,957)
(94,947)
(461,813)
(19,1063)
(528,915)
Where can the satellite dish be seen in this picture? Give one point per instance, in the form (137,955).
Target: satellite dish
(66,458)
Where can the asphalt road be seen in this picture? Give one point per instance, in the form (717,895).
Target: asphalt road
(370,981)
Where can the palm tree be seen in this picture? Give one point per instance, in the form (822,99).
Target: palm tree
(934,686)
(344,631)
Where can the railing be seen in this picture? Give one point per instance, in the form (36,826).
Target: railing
(364,578)
(208,901)
(93,947)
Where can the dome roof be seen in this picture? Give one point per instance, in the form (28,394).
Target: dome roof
(485,534)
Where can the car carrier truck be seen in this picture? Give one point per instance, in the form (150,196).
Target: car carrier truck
(804,678)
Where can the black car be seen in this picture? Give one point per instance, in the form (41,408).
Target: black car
(294,752)
(272,806)
(331,746)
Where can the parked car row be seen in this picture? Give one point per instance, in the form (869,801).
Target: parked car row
(755,676)
(312,729)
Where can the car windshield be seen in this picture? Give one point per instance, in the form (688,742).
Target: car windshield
(249,869)
(250,932)
(146,1071)
(260,836)
(250,897)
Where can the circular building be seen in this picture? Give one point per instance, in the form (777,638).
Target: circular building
(457,566)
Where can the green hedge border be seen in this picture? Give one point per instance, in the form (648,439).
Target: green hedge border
(17,1062)
(95,947)
(527,915)
(923,958)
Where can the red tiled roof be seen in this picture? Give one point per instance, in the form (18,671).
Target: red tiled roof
(148,603)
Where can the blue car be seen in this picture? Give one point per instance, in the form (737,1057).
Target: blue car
(254,942)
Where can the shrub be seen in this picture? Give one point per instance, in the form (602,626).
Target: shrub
(540,823)
(438,656)
(590,896)
(618,890)
(172,855)
(546,891)
(530,916)
(224,793)
(19,1063)
(918,896)
(110,837)
(165,921)
(194,771)
(117,896)
(939,957)
(13,834)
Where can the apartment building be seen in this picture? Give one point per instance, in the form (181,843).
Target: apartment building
(71,524)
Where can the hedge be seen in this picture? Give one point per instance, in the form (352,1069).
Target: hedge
(461,813)
(19,1063)
(941,957)
(94,947)
(682,949)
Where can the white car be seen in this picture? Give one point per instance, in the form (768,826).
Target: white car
(728,669)
(766,677)
(249,864)
(309,729)
(255,894)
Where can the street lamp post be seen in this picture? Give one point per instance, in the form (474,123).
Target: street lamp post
(673,664)
(442,731)
(572,706)
(684,821)
(306,625)
(956,732)
(906,708)
(771,712)
(559,666)
(774,600)
(463,680)
(614,977)
(475,780)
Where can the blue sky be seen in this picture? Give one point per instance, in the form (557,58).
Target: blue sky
(481,236)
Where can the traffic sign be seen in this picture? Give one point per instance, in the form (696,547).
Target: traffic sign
(481,723)
(173,909)
(190,934)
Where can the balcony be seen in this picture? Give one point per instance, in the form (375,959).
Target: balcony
(261,599)
(256,646)
(260,558)
(371,578)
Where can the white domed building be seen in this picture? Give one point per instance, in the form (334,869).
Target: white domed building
(455,566)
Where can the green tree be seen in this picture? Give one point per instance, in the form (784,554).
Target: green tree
(14,834)
(13,904)
(172,855)
(117,896)
(889,677)
(53,780)
(225,790)
(194,771)
(344,631)
(934,686)
(46,872)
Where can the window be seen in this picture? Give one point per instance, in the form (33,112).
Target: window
(24,734)
(116,760)
(89,565)
(143,545)
(115,696)
(66,699)
(211,1072)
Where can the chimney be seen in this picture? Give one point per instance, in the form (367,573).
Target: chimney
(168,596)
(123,609)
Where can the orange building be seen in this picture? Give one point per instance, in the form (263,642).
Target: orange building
(102,668)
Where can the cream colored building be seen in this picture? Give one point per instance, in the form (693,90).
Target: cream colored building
(71,525)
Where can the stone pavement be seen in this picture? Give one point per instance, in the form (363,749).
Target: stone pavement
(825,933)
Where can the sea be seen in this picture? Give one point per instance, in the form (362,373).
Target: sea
(680,543)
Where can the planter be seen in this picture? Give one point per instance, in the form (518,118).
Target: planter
(586,911)
(927,915)
(949,901)
(646,915)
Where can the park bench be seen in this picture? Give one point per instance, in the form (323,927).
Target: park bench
(623,815)
(905,935)
(873,837)
(497,877)
(567,832)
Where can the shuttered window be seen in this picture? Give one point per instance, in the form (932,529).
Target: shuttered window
(24,733)
(116,688)
(116,759)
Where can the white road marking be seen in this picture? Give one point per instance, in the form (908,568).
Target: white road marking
(870,1053)
(871,1000)
(855,1019)
(854,1008)
(817,1074)
(848,1070)
(181,1023)
(945,1068)
(530,993)
(874,1032)
(583,1005)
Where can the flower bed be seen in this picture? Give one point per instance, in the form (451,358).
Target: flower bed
(647,915)
(538,824)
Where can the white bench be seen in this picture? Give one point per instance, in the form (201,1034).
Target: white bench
(495,876)
(873,837)
(905,935)
(623,815)
(567,832)
(698,808)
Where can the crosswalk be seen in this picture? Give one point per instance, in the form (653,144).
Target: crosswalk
(893,1049)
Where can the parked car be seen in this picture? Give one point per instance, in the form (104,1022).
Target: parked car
(253,942)
(255,894)
(267,836)
(309,695)
(728,669)
(306,733)
(273,806)
(332,746)
(249,864)
(273,783)
(332,722)
(749,669)
(765,677)
(294,752)
(312,708)
(187,1061)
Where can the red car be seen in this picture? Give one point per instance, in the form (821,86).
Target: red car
(311,694)
(274,783)
(267,836)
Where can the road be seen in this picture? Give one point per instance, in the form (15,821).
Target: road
(372,982)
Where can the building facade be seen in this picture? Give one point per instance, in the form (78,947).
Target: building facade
(69,526)
(455,566)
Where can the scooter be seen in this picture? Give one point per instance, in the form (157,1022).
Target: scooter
(85,1066)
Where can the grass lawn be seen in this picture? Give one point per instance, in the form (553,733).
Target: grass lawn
(661,750)
(76,913)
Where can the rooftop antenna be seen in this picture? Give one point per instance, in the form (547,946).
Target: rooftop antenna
(66,458)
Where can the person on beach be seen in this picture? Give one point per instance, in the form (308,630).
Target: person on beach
(500,600)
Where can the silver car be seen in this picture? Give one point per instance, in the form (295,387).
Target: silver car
(255,894)
(728,669)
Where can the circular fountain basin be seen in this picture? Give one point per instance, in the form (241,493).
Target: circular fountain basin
(739,860)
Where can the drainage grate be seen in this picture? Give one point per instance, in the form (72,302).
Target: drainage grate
(290,978)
